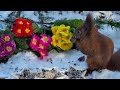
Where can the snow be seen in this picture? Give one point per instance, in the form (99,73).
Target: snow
(2,26)
(30,14)
(62,61)
(66,14)
(30,61)
(106,74)
(4,14)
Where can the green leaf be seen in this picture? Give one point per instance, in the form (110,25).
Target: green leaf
(36,29)
(1,32)
(73,23)
(50,48)
(58,49)
(21,43)
(72,30)
(7,31)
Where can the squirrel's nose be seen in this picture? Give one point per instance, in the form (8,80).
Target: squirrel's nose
(73,39)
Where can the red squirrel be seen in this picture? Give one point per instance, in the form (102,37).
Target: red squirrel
(98,47)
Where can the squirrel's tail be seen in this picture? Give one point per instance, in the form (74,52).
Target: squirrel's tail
(114,63)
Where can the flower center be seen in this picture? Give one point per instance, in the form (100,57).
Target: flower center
(9,48)
(27,30)
(64,30)
(60,35)
(34,41)
(56,41)
(45,39)
(7,38)
(67,37)
(41,46)
(65,44)
(19,30)
(20,22)
(28,23)
(43,54)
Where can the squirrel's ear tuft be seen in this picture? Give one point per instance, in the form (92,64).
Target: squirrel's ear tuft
(89,21)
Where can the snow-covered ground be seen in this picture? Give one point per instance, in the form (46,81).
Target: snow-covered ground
(61,61)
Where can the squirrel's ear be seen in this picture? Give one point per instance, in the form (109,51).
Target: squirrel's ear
(89,22)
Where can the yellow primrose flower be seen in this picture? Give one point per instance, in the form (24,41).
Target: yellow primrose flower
(63,30)
(56,41)
(67,38)
(54,29)
(61,37)
(66,45)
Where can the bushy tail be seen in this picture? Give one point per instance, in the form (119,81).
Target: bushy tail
(114,63)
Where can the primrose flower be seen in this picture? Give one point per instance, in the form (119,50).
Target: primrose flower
(1,49)
(17,31)
(61,37)
(27,22)
(63,30)
(45,40)
(43,53)
(1,42)
(23,22)
(22,28)
(55,41)
(34,42)
(41,46)
(2,55)
(9,48)
(6,37)
(66,45)
(54,29)
(67,38)
(19,21)
(27,31)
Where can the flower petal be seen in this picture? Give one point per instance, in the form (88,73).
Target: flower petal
(43,53)
(6,37)
(1,42)
(9,48)
(66,45)
(54,29)
(27,31)
(27,22)
(34,42)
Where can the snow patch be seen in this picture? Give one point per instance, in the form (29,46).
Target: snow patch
(62,61)
(106,74)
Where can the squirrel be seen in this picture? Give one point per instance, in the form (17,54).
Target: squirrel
(98,47)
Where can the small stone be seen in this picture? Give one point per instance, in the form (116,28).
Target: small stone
(99,71)
(49,75)
(81,58)
(16,68)
(43,70)
(66,73)
(39,75)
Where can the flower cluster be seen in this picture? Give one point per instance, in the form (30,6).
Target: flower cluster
(40,44)
(7,46)
(22,28)
(61,37)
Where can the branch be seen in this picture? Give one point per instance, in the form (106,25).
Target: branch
(9,21)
